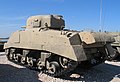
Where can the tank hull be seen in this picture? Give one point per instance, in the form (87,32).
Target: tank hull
(50,41)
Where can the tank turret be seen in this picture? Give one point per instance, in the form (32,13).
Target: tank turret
(46,21)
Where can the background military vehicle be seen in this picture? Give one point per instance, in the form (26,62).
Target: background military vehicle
(116,45)
(2,41)
(44,44)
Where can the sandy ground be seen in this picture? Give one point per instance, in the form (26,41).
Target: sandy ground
(106,72)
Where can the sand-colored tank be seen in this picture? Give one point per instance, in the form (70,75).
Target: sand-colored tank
(45,45)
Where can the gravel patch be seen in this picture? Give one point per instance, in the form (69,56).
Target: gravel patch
(106,72)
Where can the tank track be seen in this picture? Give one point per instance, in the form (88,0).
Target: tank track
(61,72)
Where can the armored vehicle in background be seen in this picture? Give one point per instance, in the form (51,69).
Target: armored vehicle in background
(116,45)
(46,45)
(2,41)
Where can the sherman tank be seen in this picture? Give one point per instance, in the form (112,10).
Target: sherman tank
(116,45)
(44,44)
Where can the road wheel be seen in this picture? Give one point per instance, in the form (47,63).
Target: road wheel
(53,68)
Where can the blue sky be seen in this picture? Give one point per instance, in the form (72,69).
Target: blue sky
(78,14)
